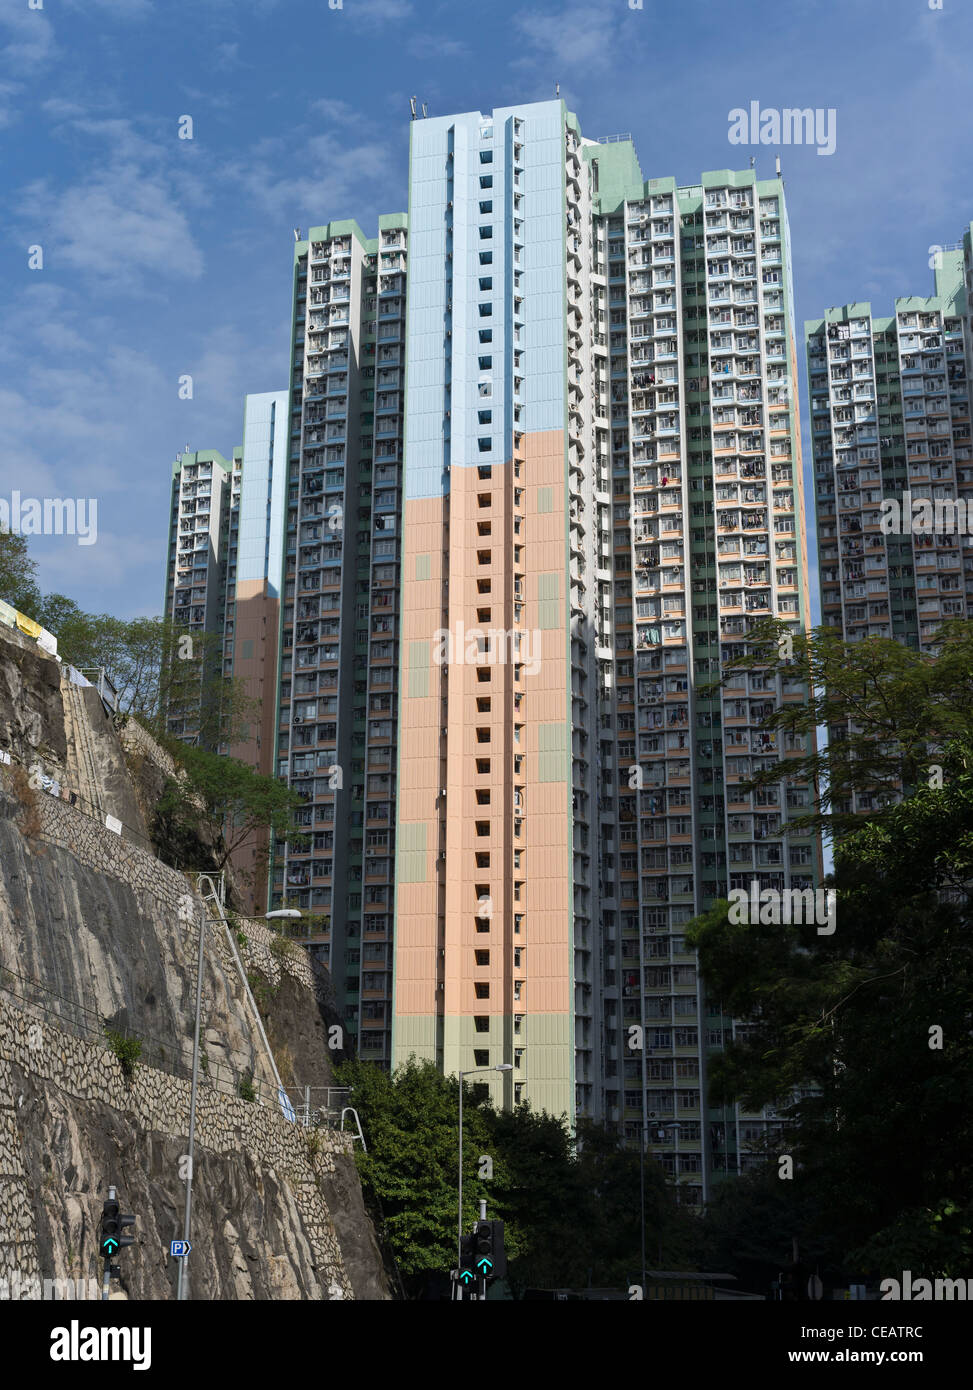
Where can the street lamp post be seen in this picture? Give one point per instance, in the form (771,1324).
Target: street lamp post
(501,1066)
(675,1125)
(283,912)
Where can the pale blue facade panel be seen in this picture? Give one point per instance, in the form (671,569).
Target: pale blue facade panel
(263,490)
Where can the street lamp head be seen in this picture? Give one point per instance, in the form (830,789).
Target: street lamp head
(504,1066)
(282,912)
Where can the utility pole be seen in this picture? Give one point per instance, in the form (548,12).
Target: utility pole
(181,1279)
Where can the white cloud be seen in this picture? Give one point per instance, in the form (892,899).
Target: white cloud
(334,181)
(575,37)
(60,109)
(435,46)
(333,110)
(378,11)
(31,37)
(118,225)
(124,9)
(227,58)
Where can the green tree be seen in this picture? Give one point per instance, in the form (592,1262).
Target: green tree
(18,575)
(571,1211)
(886,708)
(228,796)
(882,1143)
(411,1167)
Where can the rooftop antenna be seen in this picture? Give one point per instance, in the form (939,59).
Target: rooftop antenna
(753,161)
(297,233)
(557,89)
(425,111)
(778,166)
(412,107)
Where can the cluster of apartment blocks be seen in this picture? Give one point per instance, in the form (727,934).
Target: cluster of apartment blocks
(535,492)
(890,413)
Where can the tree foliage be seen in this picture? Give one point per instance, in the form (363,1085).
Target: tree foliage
(233,799)
(886,707)
(571,1211)
(875,1023)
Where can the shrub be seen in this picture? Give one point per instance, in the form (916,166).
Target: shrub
(127,1050)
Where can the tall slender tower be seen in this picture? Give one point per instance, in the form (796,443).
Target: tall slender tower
(195,593)
(339,631)
(602,492)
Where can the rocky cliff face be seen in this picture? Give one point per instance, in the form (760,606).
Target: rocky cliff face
(98,936)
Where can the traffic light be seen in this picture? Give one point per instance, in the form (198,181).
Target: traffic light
(467,1267)
(489,1259)
(113,1224)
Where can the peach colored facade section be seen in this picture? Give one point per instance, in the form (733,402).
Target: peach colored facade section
(477,793)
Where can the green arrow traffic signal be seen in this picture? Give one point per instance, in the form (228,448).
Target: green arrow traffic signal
(484,1264)
(109,1229)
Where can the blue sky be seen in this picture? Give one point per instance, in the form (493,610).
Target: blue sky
(165,256)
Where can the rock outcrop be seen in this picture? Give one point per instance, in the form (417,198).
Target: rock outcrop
(98,951)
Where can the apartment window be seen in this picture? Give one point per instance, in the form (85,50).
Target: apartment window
(483,828)
(483,735)
(485,417)
(483,796)
(486,281)
(481,1056)
(486,180)
(487,205)
(484,586)
(486,335)
(481,1023)
(486,156)
(485,364)
(486,233)
(486,310)
(483,859)
(483,765)
(482,957)
(486,258)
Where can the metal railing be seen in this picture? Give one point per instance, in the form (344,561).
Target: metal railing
(331,1111)
(104,685)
